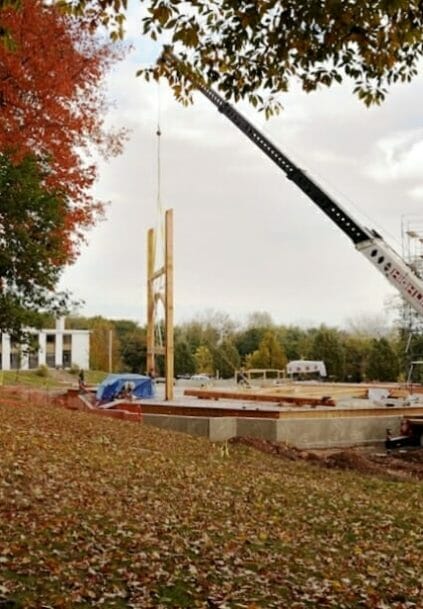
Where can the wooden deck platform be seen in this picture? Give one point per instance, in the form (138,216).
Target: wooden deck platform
(282,399)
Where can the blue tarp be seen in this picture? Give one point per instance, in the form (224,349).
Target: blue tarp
(108,390)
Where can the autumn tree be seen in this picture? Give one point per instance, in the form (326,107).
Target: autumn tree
(247,48)
(356,353)
(32,221)
(207,329)
(226,359)
(133,351)
(5,38)
(133,344)
(52,104)
(296,341)
(184,359)
(105,348)
(196,333)
(260,319)
(203,360)
(327,346)
(248,339)
(269,354)
(52,110)
(383,361)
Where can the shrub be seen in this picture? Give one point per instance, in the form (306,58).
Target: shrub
(42,371)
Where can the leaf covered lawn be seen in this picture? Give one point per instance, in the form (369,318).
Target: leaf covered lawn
(103,513)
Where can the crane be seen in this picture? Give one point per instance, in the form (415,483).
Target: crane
(367,241)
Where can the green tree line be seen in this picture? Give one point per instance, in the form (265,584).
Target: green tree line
(217,345)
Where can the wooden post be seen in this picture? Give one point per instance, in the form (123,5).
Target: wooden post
(110,350)
(169,348)
(150,301)
(154,296)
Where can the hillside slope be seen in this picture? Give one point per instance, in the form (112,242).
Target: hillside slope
(102,513)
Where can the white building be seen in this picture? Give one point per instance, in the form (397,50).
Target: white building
(57,348)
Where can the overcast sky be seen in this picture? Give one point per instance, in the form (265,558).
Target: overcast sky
(246,239)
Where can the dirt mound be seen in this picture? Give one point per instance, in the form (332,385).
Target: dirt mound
(350,459)
(406,464)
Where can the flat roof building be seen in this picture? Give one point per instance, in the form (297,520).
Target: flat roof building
(55,348)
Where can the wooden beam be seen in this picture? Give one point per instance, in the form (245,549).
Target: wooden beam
(159,350)
(156,274)
(210,394)
(169,346)
(150,301)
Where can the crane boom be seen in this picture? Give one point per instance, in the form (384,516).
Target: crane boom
(366,241)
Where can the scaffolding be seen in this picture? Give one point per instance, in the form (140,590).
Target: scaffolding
(412,253)
(411,321)
(412,242)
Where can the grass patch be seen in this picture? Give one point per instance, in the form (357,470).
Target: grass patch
(102,513)
(94,377)
(45,378)
(29,378)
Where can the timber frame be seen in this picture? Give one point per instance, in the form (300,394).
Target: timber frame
(166,298)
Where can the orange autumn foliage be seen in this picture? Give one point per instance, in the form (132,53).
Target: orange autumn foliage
(52,105)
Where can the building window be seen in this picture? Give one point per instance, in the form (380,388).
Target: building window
(15,355)
(67,350)
(33,356)
(51,350)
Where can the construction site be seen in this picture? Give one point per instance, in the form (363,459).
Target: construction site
(361,426)
(303,414)
(371,428)
(157,453)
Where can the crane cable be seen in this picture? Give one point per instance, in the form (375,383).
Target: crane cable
(159,169)
(159,232)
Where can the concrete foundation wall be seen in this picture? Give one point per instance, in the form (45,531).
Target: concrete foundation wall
(265,429)
(342,431)
(217,430)
(222,429)
(299,432)
(194,426)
